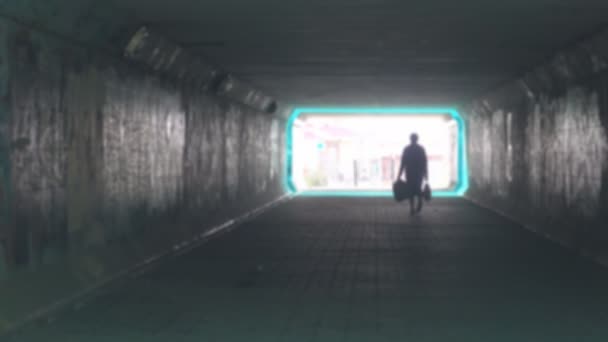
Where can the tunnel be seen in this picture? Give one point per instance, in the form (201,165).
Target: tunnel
(195,170)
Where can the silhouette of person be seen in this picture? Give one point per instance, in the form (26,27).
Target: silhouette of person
(415,165)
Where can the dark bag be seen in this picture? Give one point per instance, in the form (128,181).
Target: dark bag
(401,191)
(427,194)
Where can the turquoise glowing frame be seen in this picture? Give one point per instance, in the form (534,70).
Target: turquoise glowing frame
(463,174)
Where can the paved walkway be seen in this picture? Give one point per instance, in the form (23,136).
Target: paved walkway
(356,270)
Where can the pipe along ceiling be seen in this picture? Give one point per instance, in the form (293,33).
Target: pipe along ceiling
(172,60)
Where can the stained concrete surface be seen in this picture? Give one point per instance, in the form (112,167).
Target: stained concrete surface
(311,52)
(104,165)
(100,150)
(355,270)
(538,148)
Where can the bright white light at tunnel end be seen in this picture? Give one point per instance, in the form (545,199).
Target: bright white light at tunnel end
(463,176)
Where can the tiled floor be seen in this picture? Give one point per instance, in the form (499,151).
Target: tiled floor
(356,270)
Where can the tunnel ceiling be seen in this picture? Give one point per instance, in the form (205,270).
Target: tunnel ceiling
(359,52)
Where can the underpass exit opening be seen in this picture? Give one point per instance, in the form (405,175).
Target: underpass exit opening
(357,151)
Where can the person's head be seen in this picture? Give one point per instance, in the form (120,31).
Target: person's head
(414,138)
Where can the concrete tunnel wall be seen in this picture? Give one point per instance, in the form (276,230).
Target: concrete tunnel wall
(105,164)
(538,148)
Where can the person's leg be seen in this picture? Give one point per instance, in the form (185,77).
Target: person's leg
(420,201)
(412,200)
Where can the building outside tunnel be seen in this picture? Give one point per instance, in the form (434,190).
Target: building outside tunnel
(355,151)
(222,171)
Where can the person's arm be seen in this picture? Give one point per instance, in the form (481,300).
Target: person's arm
(402,166)
(425,165)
